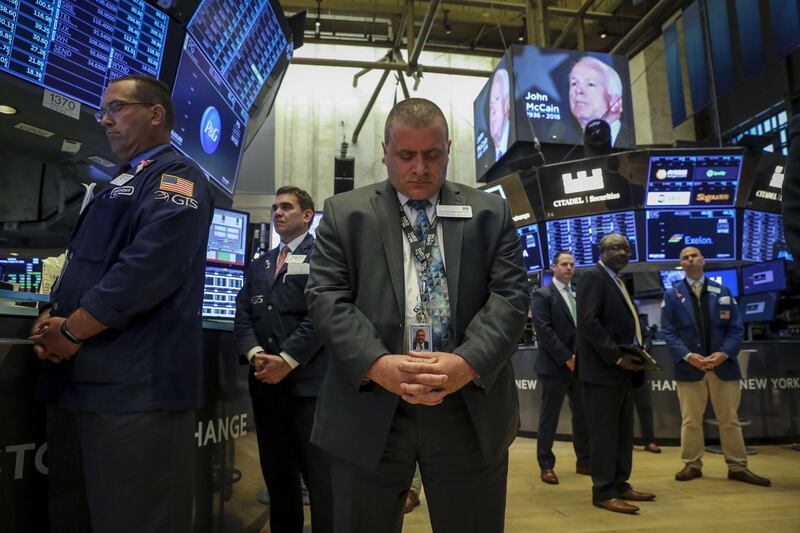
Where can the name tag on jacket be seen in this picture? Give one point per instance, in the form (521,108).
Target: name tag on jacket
(293,269)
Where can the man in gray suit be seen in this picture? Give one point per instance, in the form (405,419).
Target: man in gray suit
(381,255)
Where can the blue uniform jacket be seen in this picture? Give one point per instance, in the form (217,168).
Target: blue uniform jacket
(136,263)
(271,312)
(679,327)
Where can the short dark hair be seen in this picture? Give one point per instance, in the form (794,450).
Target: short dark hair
(303,198)
(559,254)
(154,91)
(414,112)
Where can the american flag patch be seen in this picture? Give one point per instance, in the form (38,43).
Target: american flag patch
(175,184)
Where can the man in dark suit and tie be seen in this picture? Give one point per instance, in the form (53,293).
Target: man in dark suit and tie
(607,321)
(417,249)
(701,324)
(554,311)
(274,330)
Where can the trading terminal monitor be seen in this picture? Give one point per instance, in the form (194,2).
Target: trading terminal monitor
(26,274)
(531,247)
(758,307)
(693,180)
(769,276)
(227,238)
(219,293)
(712,231)
(581,235)
(728,277)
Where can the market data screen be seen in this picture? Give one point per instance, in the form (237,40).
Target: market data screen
(219,294)
(244,40)
(26,274)
(227,238)
(693,180)
(209,121)
(763,238)
(580,235)
(712,231)
(758,307)
(531,247)
(769,276)
(77,48)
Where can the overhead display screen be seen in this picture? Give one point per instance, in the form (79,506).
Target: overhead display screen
(767,188)
(763,238)
(693,180)
(558,92)
(582,188)
(227,238)
(764,277)
(712,231)
(531,247)
(512,191)
(209,121)
(77,48)
(495,130)
(580,235)
(244,39)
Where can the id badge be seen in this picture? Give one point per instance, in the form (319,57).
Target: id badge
(420,337)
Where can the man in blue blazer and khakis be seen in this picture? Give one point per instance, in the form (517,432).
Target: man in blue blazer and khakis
(701,324)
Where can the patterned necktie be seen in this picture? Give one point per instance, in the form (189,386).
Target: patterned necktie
(571,300)
(281,260)
(434,290)
(632,308)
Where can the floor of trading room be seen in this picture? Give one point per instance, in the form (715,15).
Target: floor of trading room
(707,504)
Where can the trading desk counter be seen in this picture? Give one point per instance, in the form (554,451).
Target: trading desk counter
(769,411)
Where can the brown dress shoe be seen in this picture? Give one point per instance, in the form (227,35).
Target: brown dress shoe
(617,505)
(652,448)
(583,470)
(636,496)
(688,473)
(412,500)
(749,477)
(549,477)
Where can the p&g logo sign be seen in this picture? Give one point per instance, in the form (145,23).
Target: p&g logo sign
(210,130)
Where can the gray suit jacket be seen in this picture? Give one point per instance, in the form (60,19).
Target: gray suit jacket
(357,300)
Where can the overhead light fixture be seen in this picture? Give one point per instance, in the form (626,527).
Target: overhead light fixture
(317,23)
(13,254)
(522,31)
(7,110)
(447,28)
(603,35)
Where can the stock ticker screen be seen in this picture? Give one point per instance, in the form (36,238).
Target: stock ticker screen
(244,39)
(219,294)
(712,231)
(693,180)
(531,247)
(26,274)
(580,235)
(763,238)
(227,238)
(77,47)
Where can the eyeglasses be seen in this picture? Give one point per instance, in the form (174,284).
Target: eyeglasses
(115,107)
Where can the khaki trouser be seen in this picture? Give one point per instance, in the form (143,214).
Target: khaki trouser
(725,396)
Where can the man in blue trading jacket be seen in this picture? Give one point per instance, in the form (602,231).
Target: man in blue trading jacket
(554,313)
(701,324)
(122,339)
(273,329)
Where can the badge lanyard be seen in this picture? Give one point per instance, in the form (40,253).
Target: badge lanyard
(422,251)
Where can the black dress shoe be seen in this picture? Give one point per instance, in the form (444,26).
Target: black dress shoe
(616,505)
(689,473)
(412,500)
(748,477)
(549,477)
(583,470)
(636,496)
(652,447)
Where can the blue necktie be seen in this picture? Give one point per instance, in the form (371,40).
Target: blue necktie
(435,288)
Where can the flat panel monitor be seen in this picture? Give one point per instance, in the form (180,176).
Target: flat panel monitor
(693,179)
(220,290)
(582,188)
(758,307)
(670,277)
(77,48)
(531,247)
(495,129)
(547,278)
(712,231)
(767,188)
(24,273)
(510,188)
(557,92)
(247,41)
(580,235)
(227,238)
(764,277)
(274,238)
(209,121)
(763,238)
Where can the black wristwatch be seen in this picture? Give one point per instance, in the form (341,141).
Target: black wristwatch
(68,334)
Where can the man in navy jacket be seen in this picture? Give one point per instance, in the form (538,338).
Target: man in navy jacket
(701,324)
(273,329)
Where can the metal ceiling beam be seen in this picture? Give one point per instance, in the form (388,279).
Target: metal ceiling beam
(578,17)
(424,32)
(598,15)
(324,62)
(651,18)
(371,103)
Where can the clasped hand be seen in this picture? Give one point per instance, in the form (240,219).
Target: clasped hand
(422,377)
(48,342)
(706,363)
(270,368)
